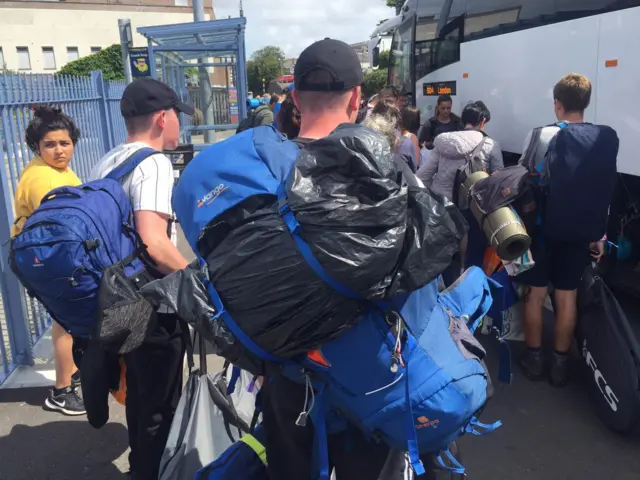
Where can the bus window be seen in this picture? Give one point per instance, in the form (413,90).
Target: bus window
(486,18)
(431,55)
(400,60)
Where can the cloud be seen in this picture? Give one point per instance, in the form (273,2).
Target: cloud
(295,24)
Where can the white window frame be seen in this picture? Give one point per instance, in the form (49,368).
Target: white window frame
(19,52)
(95,50)
(45,52)
(70,52)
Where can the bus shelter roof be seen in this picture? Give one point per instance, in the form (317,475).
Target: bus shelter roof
(213,38)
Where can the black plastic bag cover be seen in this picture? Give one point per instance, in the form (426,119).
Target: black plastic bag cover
(184,294)
(344,192)
(367,231)
(435,229)
(266,285)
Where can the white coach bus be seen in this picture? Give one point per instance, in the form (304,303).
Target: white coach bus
(510,54)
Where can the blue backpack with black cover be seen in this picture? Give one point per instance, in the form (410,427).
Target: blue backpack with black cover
(71,238)
(365,372)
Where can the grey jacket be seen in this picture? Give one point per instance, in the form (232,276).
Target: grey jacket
(450,153)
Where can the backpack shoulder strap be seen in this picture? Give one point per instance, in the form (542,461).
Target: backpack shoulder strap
(528,159)
(473,155)
(129,165)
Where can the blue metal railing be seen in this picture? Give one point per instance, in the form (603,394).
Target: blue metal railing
(94,104)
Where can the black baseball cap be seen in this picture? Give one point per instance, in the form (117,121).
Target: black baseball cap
(146,95)
(337,58)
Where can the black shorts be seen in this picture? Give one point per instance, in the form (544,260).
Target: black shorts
(560,264)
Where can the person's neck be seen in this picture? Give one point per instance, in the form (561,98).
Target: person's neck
(154,142)
(444,120)
(572,117)
(320,126)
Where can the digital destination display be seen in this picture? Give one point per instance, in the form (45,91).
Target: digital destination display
(438,88)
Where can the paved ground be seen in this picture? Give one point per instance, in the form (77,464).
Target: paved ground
(548,434)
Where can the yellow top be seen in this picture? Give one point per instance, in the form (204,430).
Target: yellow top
(36,181)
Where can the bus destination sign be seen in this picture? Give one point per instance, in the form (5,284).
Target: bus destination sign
(438,88)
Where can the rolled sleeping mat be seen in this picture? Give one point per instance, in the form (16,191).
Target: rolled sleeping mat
(504,231)
(465,189)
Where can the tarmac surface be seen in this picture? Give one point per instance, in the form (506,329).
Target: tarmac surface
(548,433)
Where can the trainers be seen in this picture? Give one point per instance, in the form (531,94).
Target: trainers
(76,381)
(532,364)
(560,371)
(66,401)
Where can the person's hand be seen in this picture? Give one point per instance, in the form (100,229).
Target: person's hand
(597,250)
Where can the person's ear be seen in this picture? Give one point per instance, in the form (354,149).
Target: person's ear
(161,120)
(294,95)
(354,101)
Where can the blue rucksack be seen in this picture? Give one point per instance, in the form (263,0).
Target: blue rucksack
(246,459)
(71,238)
(364,373)
(582,170)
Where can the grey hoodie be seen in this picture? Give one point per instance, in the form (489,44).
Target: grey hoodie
(450,153)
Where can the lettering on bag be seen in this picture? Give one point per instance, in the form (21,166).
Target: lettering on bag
(604,387)
(212,195)
(424,422)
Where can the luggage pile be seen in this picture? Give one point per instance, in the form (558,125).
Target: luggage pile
(377,238)
(318,260)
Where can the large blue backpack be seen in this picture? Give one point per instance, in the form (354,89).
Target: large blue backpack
(364,373)
(581,162)
(71,238)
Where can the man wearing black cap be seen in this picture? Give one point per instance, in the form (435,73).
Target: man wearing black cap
(327,93)
(154,370)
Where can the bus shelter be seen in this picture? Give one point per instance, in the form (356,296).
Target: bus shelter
(205,63)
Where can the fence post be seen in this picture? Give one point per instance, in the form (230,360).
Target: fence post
(107,131)
(12,293)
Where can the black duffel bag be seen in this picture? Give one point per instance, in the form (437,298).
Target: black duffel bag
(611,353)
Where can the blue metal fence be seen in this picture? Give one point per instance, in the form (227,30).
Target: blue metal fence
(93,103)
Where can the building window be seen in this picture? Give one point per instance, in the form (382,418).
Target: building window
(72,54)
(48,58)
(95,49)
(24,62)
(182,3)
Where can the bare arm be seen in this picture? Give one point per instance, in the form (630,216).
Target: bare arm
(152,227)
(416,146)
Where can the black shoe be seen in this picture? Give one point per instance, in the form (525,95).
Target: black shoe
(76,381)
(560,371)
(66,401)
(532,364)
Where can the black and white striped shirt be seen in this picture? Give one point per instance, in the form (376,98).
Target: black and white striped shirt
(149,186)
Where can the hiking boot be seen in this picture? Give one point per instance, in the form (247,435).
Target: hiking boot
(559,372)
(66,401)
(76,381)
(532,364)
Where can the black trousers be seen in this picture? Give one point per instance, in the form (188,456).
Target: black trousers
(290,448)
(154,382)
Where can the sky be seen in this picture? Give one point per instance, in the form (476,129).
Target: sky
(295,24)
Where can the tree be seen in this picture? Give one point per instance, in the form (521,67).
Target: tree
(266,65)
(108,61)
(374,81)
(383,60)
(397,4)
